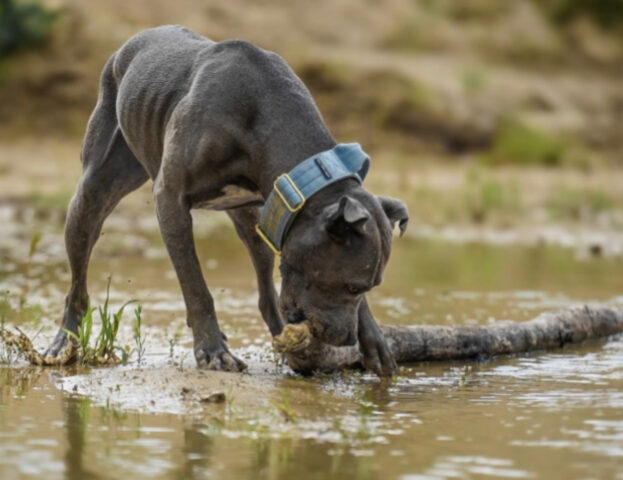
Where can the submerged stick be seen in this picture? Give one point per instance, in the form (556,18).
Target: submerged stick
(430,342)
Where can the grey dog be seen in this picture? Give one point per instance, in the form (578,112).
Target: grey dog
(213,124)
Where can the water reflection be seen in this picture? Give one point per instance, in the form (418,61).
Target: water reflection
(196,454)
(466,466)
(17,382)
(77,414)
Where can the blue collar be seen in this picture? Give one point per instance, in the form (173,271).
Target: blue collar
(292,189)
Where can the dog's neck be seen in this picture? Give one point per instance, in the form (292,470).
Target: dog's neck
(289,146)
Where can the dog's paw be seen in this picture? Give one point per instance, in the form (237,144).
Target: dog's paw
(58,345)
(376,355)
(219,358)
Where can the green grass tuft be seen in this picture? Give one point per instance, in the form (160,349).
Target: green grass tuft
(139,337)
(517,143)
(103,349)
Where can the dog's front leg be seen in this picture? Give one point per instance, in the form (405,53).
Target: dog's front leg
(263,259)
(372,344)
(176,227)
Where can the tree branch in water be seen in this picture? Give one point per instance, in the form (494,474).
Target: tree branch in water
(430,342)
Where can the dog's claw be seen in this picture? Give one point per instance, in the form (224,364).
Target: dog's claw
(380,362)
(219,359)
(227,362)
(376,355)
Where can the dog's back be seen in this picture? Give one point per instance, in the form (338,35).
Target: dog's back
(232,82)
(153,71)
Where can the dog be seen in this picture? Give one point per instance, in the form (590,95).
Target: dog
(229,126)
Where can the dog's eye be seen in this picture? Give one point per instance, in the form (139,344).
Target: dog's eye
(353,289)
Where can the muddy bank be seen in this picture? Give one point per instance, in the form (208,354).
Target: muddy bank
(161,386)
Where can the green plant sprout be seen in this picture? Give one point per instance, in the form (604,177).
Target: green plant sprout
(103,351)
(139,338)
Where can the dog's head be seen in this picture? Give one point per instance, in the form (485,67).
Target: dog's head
(336,251)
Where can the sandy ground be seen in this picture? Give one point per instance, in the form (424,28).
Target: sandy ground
(164,387)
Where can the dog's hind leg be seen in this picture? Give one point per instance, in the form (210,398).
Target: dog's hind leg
(245,219)
(110,171)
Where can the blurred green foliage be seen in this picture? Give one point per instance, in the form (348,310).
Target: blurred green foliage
(566,203)
(23,25)
(608,13)
(520,144)
(472,80)
(483,196)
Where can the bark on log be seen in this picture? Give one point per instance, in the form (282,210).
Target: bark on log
(428,343)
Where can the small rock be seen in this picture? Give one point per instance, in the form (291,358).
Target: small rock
(186,390)
(216,397)
(596,250)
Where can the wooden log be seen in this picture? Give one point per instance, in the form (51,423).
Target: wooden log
(430,342)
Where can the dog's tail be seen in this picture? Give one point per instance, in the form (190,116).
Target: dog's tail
(102,126)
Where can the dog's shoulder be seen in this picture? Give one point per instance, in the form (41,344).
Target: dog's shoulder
(246,55)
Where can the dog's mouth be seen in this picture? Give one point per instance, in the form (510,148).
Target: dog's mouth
(295,316)
(320,331)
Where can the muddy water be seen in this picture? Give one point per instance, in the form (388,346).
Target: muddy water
(548,415)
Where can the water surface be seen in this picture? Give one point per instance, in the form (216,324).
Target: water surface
(544,415)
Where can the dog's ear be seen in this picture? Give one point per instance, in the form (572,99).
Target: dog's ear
(348,215)
(396,211)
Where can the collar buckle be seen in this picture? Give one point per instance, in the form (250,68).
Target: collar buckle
(267,241)
(290,183)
